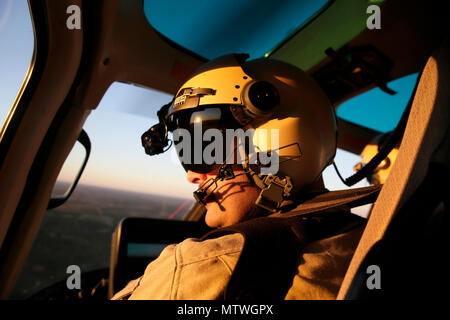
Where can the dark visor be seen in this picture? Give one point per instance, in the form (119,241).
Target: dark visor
(199,136)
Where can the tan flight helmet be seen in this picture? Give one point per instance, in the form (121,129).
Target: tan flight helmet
(290,117)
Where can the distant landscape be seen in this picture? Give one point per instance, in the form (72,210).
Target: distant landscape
(79,232)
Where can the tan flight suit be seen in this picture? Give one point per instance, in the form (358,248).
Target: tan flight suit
(195,269)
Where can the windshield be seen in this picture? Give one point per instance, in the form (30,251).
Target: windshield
(251,26)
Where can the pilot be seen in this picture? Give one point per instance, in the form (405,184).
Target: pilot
(255,136)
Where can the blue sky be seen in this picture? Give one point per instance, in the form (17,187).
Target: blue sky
(16,43)
(126,111)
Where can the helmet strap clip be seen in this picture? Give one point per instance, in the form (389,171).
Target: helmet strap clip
(274,190)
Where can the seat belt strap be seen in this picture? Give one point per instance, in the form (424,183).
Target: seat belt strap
(350,198)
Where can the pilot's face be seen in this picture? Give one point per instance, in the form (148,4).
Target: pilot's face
(231,202)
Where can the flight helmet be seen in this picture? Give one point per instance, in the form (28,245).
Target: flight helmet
(266,114)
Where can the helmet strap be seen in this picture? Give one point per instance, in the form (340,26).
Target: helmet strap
(225,173)
(274,189)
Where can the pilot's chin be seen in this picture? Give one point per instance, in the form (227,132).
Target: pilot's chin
(213,215)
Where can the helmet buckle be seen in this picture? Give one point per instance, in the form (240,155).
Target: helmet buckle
(276,190)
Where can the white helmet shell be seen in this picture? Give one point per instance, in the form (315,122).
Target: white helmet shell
(301,114)
(305,120)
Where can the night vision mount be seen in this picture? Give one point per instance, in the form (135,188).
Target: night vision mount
(155,140)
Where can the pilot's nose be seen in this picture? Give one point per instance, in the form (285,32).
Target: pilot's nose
(195,177)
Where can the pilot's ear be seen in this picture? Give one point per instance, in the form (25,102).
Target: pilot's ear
(195,177)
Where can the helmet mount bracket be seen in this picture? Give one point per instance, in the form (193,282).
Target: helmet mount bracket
(274,189)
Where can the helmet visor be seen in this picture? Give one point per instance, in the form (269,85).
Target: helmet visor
(199,136)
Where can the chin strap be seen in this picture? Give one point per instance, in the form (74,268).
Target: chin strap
(274,190)
(225,173)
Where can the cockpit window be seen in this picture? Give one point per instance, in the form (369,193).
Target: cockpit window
(118,159)
(17,45)
(378,110)
(215,28)
(119,181)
